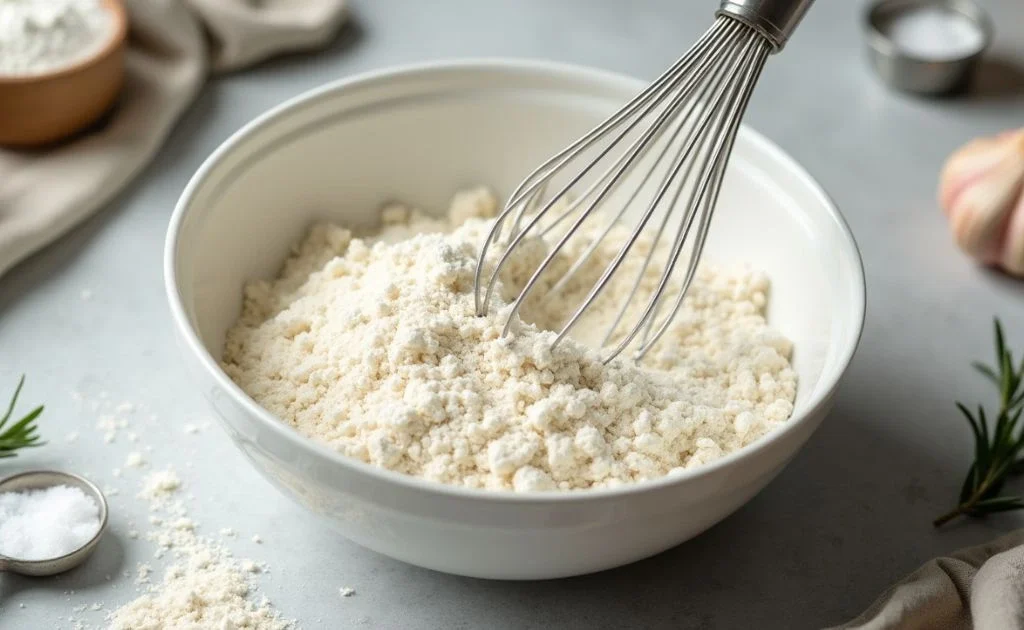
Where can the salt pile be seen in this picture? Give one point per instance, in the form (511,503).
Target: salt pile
(48,523)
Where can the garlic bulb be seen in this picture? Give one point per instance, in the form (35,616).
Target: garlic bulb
(982,193)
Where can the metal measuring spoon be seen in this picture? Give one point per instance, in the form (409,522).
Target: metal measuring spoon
(39,480)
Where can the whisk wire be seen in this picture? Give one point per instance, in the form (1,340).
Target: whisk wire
(640,146)
(616,171)
(624,307)
(628,203)
(677,165)
(682,128)
(722,158)
(543,173)
(704,206)
(635,103)
(696,204)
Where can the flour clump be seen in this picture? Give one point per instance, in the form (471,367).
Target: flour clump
(371,345)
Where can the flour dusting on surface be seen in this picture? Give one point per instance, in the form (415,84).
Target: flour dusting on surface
(204,588)
(372,346)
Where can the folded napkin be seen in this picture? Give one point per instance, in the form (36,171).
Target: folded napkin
(979,588)
(173,46)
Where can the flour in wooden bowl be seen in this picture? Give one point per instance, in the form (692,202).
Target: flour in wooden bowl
(371,345)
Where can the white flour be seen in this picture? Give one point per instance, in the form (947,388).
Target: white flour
(205,588)
(38,36)
(373,347)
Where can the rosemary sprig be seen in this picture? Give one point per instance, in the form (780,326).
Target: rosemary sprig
(996,449)
(21,434)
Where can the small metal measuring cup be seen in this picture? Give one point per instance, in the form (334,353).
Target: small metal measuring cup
(909,73)
(39,480)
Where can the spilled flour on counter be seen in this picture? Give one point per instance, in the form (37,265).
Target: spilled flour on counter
(371,345)
(204,588)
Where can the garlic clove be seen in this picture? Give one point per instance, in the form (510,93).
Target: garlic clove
(1013,248)
(981,191)
(981,210)
(967,164)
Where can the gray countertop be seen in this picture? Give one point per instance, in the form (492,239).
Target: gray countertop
(851,514)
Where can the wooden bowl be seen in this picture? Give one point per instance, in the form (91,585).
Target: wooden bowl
(41,109)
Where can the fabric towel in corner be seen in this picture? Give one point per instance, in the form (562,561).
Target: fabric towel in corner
(980,588)
(173,46)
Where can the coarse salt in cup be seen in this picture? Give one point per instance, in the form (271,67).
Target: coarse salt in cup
(927,46)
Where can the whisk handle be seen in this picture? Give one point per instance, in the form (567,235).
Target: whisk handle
(775,19)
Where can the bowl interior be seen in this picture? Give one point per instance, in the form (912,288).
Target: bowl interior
(419,135)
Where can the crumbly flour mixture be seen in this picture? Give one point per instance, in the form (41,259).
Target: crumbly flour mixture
(371,345)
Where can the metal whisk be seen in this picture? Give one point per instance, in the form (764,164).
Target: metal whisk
(681,130)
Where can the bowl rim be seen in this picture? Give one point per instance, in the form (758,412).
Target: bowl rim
(211,365)
(114,42)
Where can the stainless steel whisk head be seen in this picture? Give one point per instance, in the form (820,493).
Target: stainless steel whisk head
(661,157)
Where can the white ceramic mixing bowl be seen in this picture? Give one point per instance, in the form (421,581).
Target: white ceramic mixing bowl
(419,134)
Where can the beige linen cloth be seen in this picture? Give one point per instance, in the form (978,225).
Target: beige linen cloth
(979,588)
(173,46)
